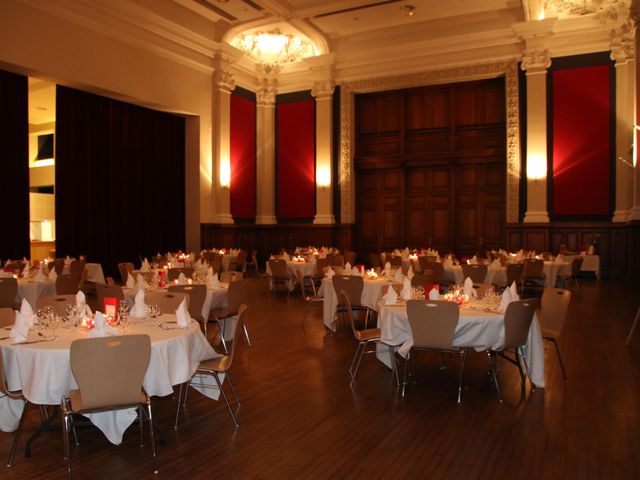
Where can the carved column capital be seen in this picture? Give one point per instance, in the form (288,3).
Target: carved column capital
(536,61)
(622,42)
(224,81)
(323,89)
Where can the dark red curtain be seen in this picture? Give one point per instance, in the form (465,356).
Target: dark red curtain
(243,157)
(14,165)
(119,179)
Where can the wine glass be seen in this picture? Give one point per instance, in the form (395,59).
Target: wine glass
(123,321)
(54,321)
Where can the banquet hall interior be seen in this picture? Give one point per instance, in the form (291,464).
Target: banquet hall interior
(170,143)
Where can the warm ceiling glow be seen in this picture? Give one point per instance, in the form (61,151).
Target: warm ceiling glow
(274,47)
(536,167)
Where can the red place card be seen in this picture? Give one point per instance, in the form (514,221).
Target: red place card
(110,306)
(430,286)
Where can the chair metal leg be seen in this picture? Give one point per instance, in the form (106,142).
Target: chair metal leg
(226,400)
(356,360)
(555,344)
(175,425)
(404,374)
(141,426)
(463,362)
(633,328)
(394,365)
(523,378)
(151,435)
(65,435)
(246,333)
(233,389)
(16,437)
(493,373)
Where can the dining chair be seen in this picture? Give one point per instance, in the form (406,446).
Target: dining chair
(374,258)
(67,284)
(633,328)
(57,302)
(241,261)
(513,273)
(229,276)
(553,312)
(350,257)
(532,273)
(212,257)
(174,273)
(321,265)
(353,285)
(279,274)
(7,318)
(215,367)
(433,324)
(309,299)
(197,295)
(124,268)
(8,292)
(167,301)
(420,280)
(236,296)
(394,260)
(477,273)
(337,261)
(76,267)
(364,337)
(517,322)
(109,372)
(573,273)
(253,261)
(108,291)
(57,265)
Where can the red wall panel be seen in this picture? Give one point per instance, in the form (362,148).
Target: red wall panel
(243,157)
(296,160)
(581,141)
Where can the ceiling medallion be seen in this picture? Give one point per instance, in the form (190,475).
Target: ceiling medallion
(274,47)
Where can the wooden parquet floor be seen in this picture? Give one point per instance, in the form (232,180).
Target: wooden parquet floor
(300,419)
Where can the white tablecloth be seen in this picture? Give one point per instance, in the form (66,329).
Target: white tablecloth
(43,371)
(308,269)
(476,329)
(370,296)
(32,290)
(216,297)
(590,263)
(498,276)
(94,272)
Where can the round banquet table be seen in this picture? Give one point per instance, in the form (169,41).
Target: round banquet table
(33,290)
(43,372)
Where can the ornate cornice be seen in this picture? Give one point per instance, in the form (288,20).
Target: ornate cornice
(622,42)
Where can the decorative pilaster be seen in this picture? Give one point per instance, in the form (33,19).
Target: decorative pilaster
(265,154)
(622,44)
(536,59)
(223,84)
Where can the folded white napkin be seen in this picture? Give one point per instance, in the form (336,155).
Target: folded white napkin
(434,294)
(410,272)
(496,265)
(398,276)
(285,257)
(100,327)
(473,260)
(407,292)
(53,275)
(67,260)
(355,271)
(509,295)
(182,280)
(391,297)
(80,298)
(25,319)
(182,315)
(468,289)
(387,269)
(329,273)
(213,281)
(347,266)
(131,282)
(397,253)
(141,283)
(145,267)
(40,276)
(25,270)
(81,303)
(138,310)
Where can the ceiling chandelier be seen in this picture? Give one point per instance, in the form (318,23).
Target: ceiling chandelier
(274,47)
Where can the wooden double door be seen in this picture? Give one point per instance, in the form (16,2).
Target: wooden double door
(457,206)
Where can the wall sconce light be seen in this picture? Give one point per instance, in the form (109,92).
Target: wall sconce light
(323,177)
(536,167)
(225,173)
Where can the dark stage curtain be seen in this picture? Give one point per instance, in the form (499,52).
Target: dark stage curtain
(14,166)
(119,179)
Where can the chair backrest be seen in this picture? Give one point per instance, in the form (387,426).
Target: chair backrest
(514,272)
(576,265)
(554,306)
(477,273)
(167,301)
(8,292)
(7,317)
(174,273)
(434,271)
(58,302)
(67,284)
(350,257)
(77,267)
(343,298)
(375,260)
(236,295)
(228,360)
(110,370)
(57,265)
(241,259)
(109,291)
(229,276)
(352,285)
(420,280)
(197,296)
(211,257)
(337,261)
(517,322)
(433,323)
(533,268)
(321,264)
(278,268)
(125,268)
(394,260)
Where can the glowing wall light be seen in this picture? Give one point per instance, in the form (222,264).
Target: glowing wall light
(536,167)
(225,173)
(323,177)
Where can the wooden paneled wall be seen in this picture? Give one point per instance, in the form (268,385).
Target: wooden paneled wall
(430,168)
